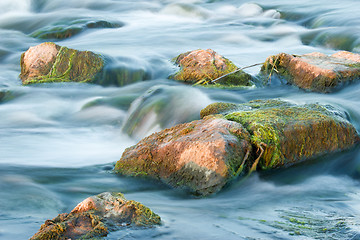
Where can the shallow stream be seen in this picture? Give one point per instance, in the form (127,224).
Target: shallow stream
(59,142)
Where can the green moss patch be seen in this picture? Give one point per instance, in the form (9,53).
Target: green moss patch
(143,216)
(70,66)
(287,134)
(196,70)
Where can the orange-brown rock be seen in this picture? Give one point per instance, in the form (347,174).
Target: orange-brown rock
(314,71)
(203,66)
(48,62)
(202,155)
(95,217)
(38,60)
(285,133)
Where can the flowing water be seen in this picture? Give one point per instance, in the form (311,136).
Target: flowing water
(59,142)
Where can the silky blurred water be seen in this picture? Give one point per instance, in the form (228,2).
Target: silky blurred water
(59,142)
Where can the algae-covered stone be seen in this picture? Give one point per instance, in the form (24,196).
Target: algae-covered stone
(286,133)
(202,155)
(49,62)
(314,71)
(203,66)
(218,107)
(222,107)
(62,30)
(96,216)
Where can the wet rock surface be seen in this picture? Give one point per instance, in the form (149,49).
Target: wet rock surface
(96,216)
(314,71)
(202,155)
(284,133)
(203,66)
(49,62)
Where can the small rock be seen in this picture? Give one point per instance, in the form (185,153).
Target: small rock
(49,62)
(96,216)
(202,155)
(314,71)
(203,66)
(8,95)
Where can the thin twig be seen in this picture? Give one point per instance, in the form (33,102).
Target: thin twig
(253,167)
(243,163)
(237,70)
(273,69)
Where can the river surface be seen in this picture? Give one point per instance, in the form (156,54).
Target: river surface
(59,142)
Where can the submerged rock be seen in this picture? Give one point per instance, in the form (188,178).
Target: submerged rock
(314,71)
(7,95)
(163,107)
(121,74)
(96,216)
(285,133)
(203,66)
(202,155)
(63,30)
(186,10)
(48,62)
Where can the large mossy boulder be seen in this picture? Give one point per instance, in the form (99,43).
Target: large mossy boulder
(314,71)
(284,134)
(204,66)
(48,62)
(234,139)
(96,216)
(202,155)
